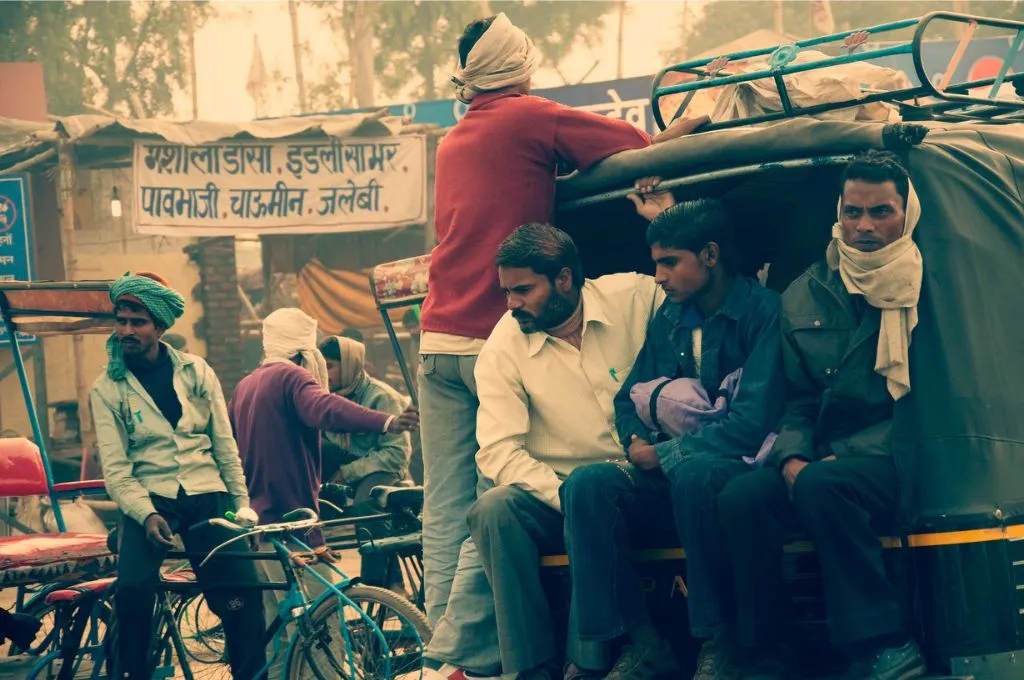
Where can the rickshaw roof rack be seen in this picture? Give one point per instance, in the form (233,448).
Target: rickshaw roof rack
(945,101)
(56,307)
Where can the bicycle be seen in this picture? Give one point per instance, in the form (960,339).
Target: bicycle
(365,643)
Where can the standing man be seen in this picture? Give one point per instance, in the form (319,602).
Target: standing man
(846,331)
(495,171)
(169,462)
(713,324)
(278,412)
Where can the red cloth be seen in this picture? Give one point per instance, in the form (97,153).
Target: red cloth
(277,413)
(495,172)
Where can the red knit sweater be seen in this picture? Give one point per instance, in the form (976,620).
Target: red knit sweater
(495,172)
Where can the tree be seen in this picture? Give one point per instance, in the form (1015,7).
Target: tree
(725,21)
(126,57)
(422,37)
(415,43)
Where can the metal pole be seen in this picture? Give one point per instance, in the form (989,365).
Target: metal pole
(67,219)
(33,419)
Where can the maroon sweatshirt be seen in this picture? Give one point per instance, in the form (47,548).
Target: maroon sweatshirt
(277,414)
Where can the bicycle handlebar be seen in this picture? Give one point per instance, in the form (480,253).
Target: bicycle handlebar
(295,520)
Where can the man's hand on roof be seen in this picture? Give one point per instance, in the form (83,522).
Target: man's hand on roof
(650,202)
(680,127)
(407,421)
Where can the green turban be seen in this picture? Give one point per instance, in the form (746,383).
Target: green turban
(162,302)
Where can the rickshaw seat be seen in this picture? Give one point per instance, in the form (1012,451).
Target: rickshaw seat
(49,558)
(21,469)
(395,498)
(75,592)
(81,485)
(22,472)
(39,549)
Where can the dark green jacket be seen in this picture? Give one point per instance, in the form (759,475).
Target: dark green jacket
(835,402)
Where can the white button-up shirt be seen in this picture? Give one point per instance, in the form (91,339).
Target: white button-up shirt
(546,408)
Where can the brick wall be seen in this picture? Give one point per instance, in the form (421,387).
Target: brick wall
(222,308)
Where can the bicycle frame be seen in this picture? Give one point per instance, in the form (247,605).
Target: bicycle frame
(296,603)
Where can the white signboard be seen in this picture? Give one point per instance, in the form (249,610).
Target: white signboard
(272,187)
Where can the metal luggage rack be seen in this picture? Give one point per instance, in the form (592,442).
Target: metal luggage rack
(946,101)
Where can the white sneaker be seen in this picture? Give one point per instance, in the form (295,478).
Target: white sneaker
(450,672)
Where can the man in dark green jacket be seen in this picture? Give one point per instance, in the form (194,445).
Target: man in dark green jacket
(831,474)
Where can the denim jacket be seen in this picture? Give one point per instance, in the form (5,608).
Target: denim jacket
(744,333)
(142,454)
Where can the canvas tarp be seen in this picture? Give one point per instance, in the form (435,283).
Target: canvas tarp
(794,138)
(22,140)
(960,434)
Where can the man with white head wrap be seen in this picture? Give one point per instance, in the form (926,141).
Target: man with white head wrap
(846,324)
(496,171)
(278,412)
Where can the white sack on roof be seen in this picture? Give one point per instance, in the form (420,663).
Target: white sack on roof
(832,84)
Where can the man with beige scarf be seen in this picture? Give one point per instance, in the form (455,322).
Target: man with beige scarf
(846,324)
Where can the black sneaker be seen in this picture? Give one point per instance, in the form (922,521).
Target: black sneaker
(548,671)
(645,662)
(895,663)
(708,662)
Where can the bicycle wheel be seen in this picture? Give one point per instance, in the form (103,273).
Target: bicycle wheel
(202,635)
(321,651)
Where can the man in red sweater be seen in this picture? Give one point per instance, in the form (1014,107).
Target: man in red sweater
(495,171)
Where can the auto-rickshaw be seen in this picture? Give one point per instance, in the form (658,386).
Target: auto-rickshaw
(958,437)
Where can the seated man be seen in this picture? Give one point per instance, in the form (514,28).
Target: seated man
(169,462)
(713,324)
(546,378)
(363,459)
(846,325)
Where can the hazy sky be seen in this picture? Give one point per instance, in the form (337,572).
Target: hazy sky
(224,48)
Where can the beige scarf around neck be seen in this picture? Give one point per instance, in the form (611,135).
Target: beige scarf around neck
(890,280)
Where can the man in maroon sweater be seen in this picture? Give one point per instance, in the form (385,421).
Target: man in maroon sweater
(279,410)
(495,171)
(277,413)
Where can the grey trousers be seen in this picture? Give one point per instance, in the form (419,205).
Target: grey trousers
(512,529)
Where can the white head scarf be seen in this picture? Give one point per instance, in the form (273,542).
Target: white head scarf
(503,56)
(291,331)
(890,280)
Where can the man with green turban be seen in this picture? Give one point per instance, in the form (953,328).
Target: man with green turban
(170,461)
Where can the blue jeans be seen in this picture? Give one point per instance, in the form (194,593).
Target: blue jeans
(448,405)
(606,505)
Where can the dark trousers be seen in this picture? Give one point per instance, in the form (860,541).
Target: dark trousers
(842,505)
(138,572)
(512,529)
(611,509)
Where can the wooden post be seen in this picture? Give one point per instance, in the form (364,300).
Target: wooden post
(190,12)
(66,185)
(297,49)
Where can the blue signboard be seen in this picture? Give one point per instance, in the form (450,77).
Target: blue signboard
(629,98)
(16,255)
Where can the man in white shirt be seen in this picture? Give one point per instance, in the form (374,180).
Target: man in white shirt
(546,379)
